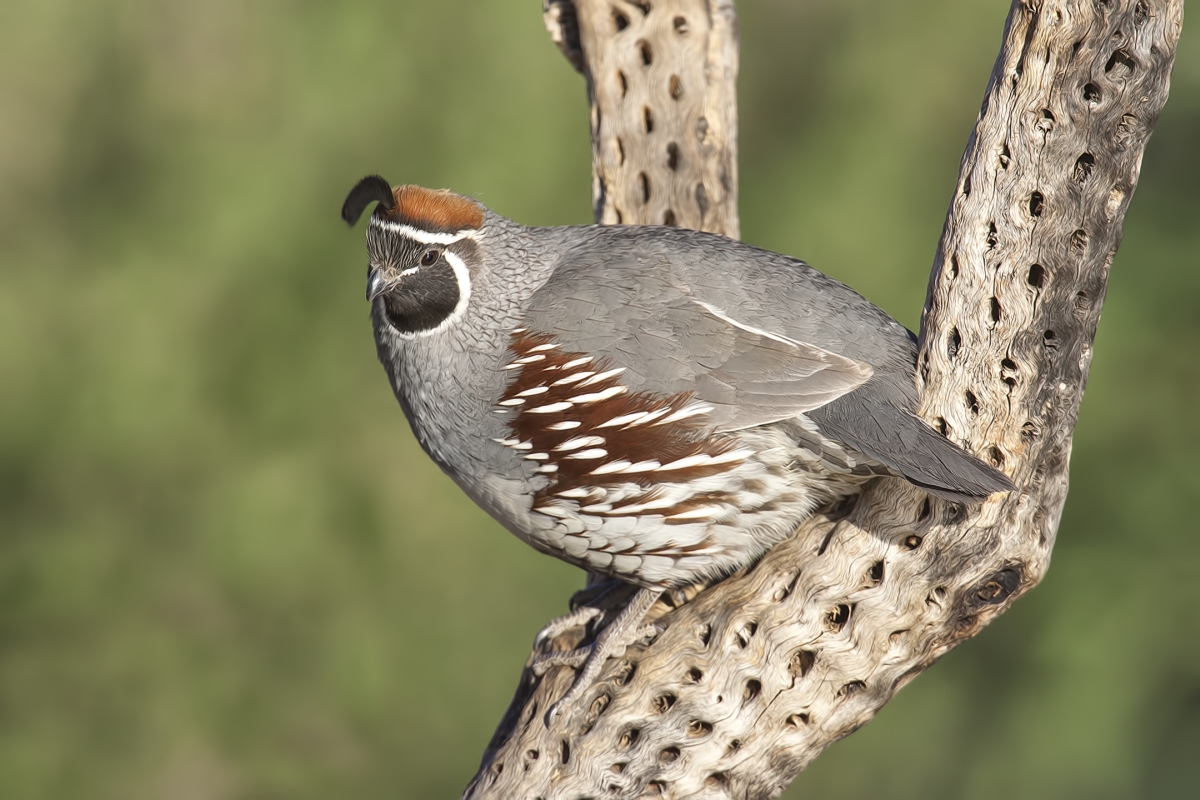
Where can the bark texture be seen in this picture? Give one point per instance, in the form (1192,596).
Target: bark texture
(661,81)
(756,675)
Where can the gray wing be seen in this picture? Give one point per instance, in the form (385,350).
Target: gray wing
(642,319)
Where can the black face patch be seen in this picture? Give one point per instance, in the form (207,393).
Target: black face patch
(423,300)
(427,290)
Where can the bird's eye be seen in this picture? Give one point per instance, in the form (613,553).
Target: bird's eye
(429,257)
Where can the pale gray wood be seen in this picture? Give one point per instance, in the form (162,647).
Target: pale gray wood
(661,81)
(755,676)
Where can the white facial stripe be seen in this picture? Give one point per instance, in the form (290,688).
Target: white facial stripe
(418,235)
(463,276)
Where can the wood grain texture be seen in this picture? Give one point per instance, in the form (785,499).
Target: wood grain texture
(753,677)
(661,81)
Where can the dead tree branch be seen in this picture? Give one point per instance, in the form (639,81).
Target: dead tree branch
(755,676)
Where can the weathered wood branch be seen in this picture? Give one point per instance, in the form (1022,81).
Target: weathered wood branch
(662,88)
(756,675)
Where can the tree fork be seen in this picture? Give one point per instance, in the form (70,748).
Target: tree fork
(756,675)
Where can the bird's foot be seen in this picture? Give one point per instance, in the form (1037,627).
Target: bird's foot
(586,605)
(611,642)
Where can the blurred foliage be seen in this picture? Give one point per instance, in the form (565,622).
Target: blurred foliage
(226,571)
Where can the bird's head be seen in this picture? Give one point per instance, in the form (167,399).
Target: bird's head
(421,245)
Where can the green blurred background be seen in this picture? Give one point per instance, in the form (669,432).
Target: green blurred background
(226,571)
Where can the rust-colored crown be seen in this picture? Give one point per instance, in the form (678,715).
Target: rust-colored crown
(434,210)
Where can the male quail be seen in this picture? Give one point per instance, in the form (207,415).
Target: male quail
(656,404)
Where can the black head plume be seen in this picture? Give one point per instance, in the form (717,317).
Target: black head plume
(370,189)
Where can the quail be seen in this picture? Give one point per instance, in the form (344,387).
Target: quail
(654,404)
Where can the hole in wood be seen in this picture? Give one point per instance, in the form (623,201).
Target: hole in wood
(497,767)
(669,218)
(647,119)
(693,675)
(1120,65)
(662,704)
(620,147)
(716,781)
(837,617)
(996,456)
(940,593)
(1079,240)
(1050,340)
(924,513)
(912,541)
(619,767)
(704,634)
(628,739)
(599,704)
(1082,302)
(797,720)
(745,634)
(672,156)
(656,788)
(999,587)
(992,237)
(1030,431)
(1092,94)
(1008,368)
(624,673)
(1046,123)
(802,660)
(1125,126)
(701,199)
(622,82)
(668,755)
(644,183)
(697,728)
(875,574)
(1005,156)
(647,54)
(1083,168)
(752,690)
(954,265)
(642,5)
(972,402)
(1036,204)
(675,87)
(943,427)
(680,24)
(995,309)
(620,21)
(953,342)
(734,746)
(565,751)
(851,688)
(1141,12)
(701,129)
(785,589)
(1037,276)
(966,188)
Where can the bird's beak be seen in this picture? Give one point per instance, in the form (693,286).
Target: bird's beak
(376,284)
